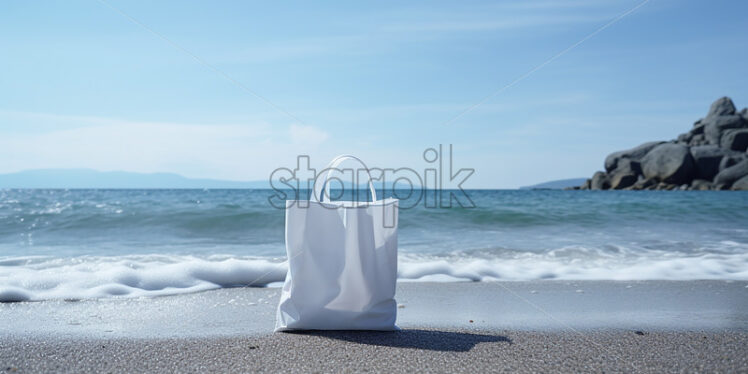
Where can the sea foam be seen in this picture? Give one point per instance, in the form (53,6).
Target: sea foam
(86,277)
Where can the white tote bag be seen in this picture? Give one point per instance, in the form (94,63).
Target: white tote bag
(342,262)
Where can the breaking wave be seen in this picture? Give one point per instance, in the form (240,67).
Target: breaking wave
(73,278)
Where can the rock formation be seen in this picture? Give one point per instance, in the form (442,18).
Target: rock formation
(712,156)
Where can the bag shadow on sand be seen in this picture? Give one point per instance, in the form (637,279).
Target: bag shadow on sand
(433,340)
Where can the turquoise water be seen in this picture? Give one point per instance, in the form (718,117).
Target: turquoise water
(99,243)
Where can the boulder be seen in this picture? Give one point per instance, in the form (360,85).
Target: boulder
(706,159)
(716,125)
(697,139)
(669,163)
(723,106)
(695,136)
(619,181)
(732,174)
(662,186)
(625,175)
(741,184)
(684,138)
(599,181)
(735,139)
(712,155)
(731,159)
(642,184)
(701,185)
(721,187)
(634,154)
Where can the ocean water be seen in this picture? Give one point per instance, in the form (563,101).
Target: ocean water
(76,244)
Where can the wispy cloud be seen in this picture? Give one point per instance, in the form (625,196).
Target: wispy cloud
(232,151)
(385,30)
(501,16)
(552,4)
(293,49)
(483,23)
(307,135)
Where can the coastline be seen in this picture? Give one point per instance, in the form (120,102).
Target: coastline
(618,326)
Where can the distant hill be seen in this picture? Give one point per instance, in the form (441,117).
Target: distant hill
(556,185)
(87,178)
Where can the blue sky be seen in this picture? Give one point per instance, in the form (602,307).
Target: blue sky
(84,87)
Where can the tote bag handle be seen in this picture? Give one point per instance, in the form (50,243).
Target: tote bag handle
(325,188)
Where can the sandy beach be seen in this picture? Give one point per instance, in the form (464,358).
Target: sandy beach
(591,326)
(411,350)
